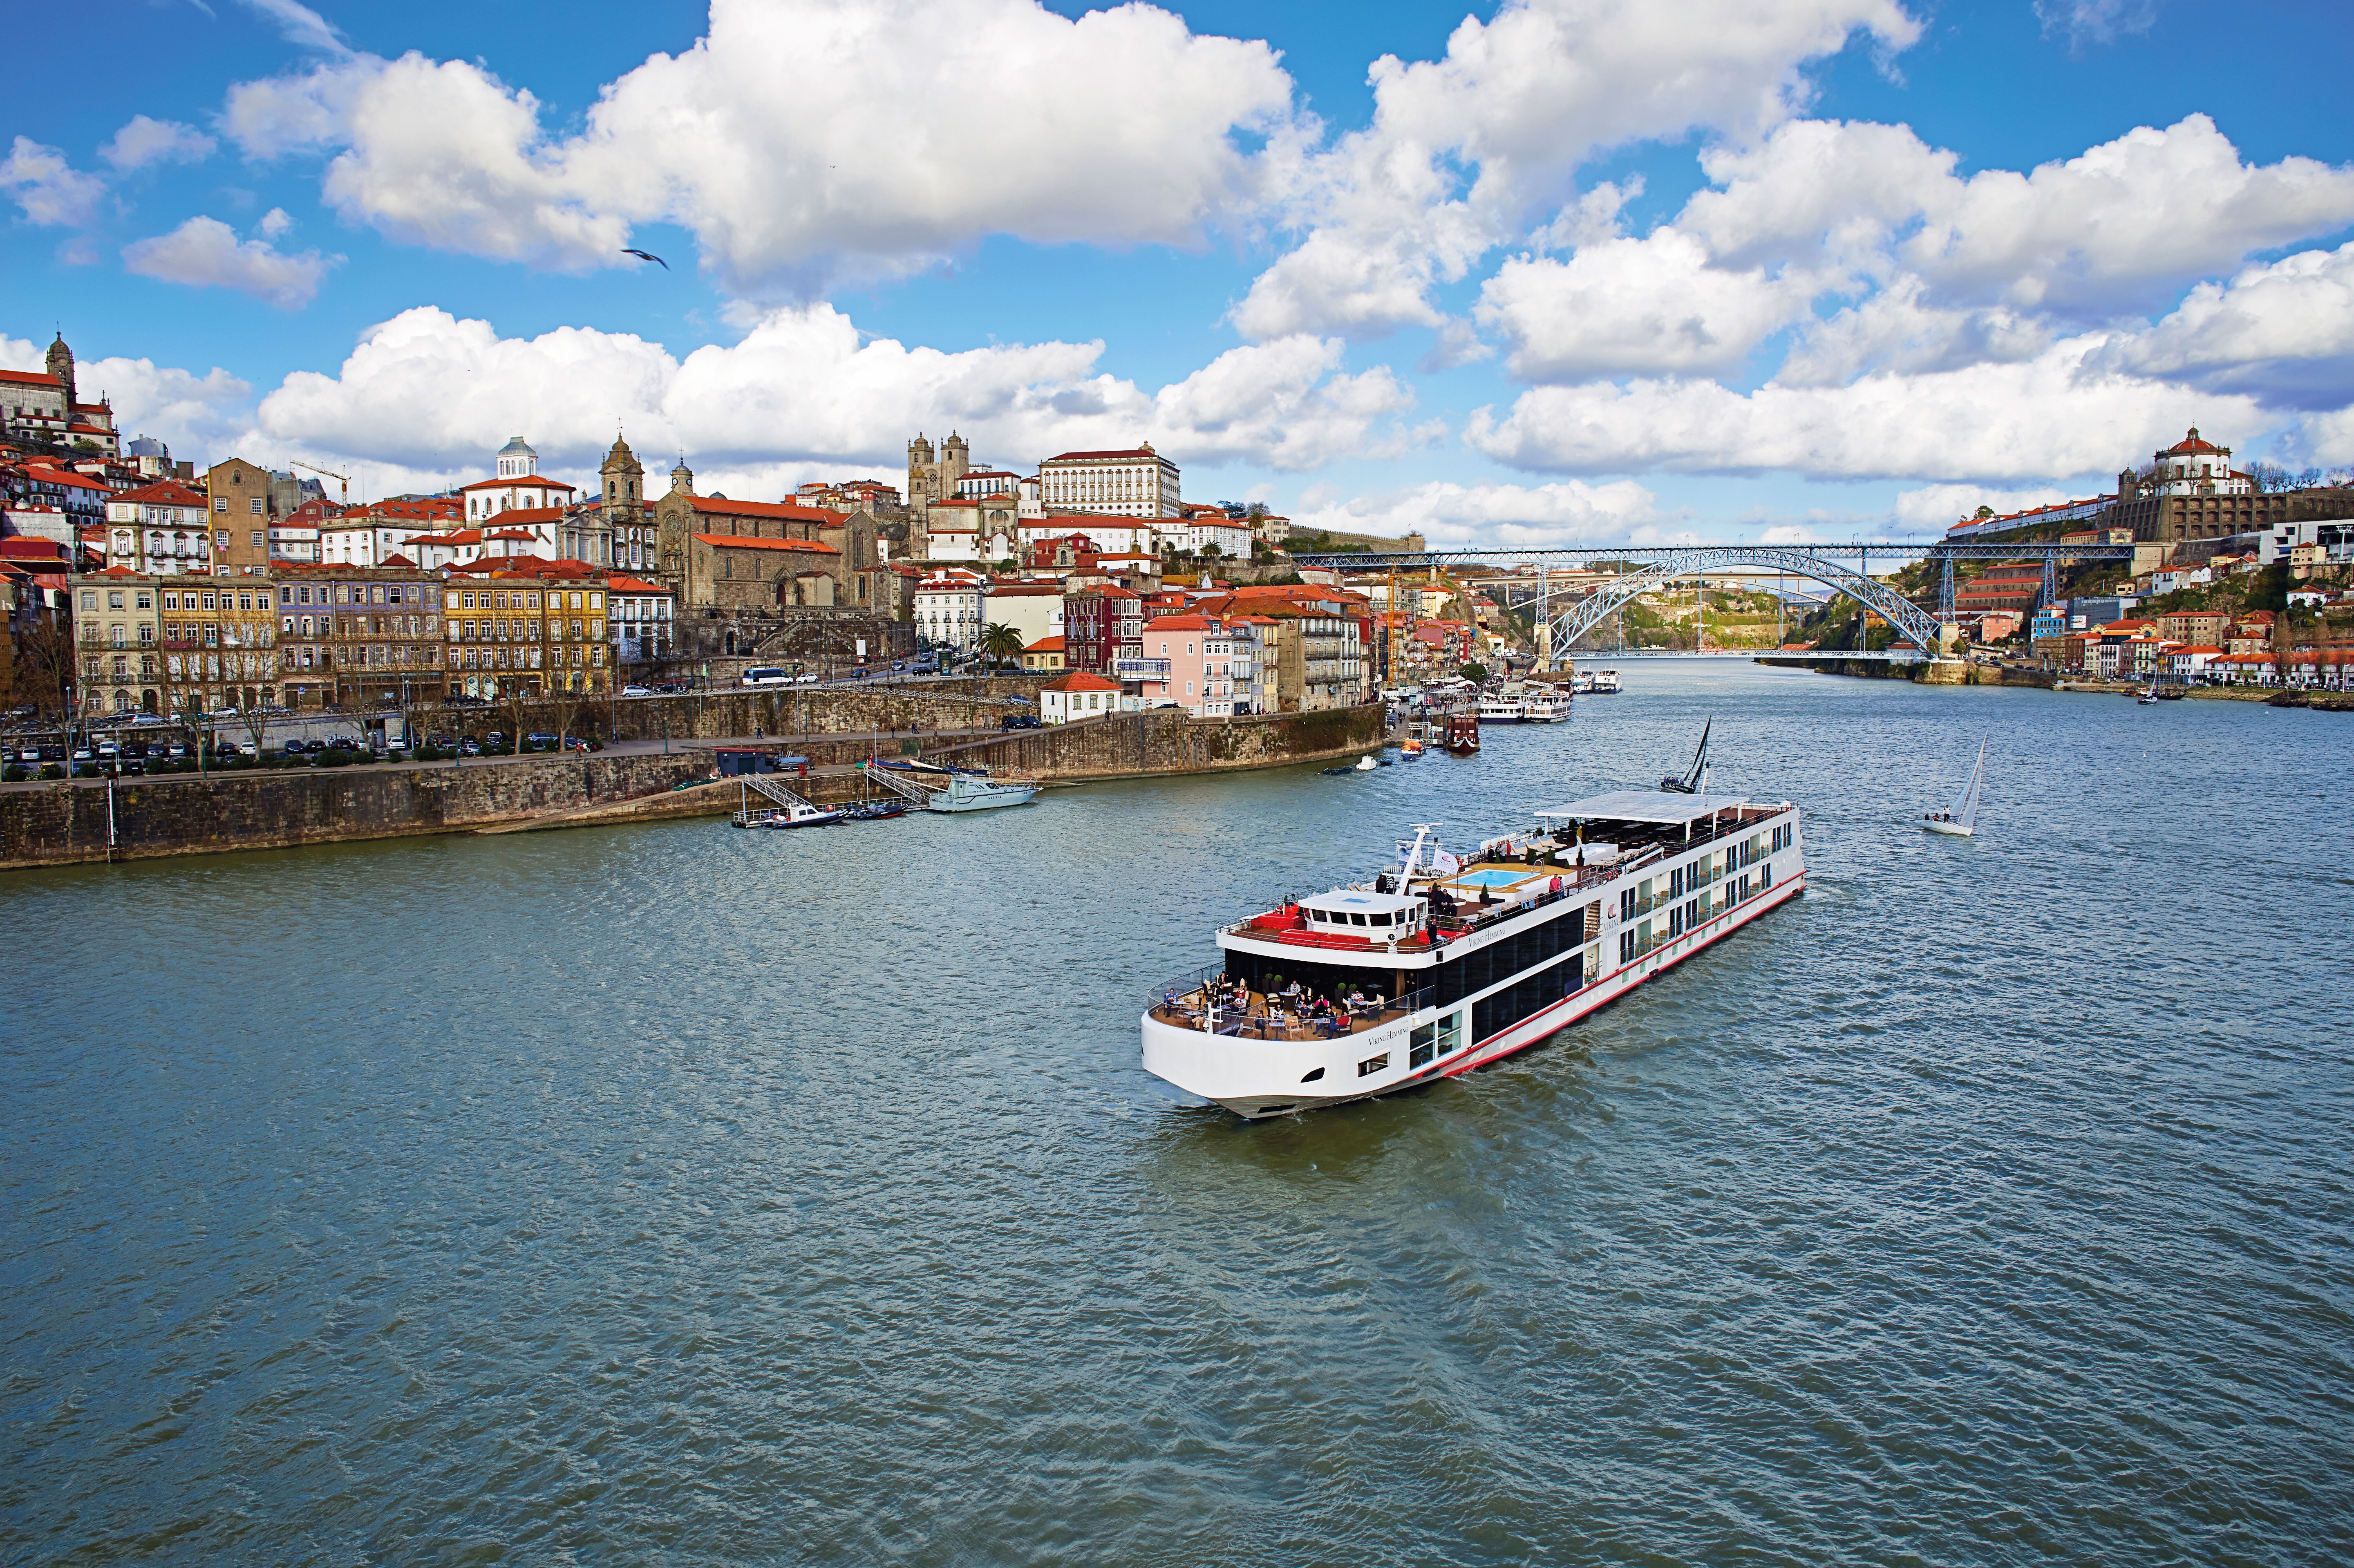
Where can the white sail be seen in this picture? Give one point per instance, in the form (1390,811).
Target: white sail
(1966,809)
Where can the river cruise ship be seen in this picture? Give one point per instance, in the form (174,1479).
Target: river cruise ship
(1439,965)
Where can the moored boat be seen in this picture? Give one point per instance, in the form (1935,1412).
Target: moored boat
(801,814)
(1545,704)
(1440,965)
(967,793)
(1502,710)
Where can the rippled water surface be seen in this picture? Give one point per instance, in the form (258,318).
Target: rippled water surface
(677,1194)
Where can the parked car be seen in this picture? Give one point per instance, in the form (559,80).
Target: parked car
(637,691)
(228,748)
(1020,720)
(470,746)
(807,678)
(539,740)
(440,742)
(574,743)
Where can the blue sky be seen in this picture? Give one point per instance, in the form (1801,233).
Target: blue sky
(1580,270)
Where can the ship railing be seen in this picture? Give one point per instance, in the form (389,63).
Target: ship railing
(1204,1001)
(1574,886)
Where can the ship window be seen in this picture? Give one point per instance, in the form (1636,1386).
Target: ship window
(1451,1032)
(1311,1077)
(1358,918)
(1423,1045)
(1372,1065)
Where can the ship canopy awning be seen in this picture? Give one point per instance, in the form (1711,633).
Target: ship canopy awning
(1660,808)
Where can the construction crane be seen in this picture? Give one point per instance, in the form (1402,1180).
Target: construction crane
(330,473)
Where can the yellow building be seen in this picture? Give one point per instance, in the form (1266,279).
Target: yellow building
(538,632)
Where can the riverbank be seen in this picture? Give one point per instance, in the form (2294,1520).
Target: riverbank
(67,822)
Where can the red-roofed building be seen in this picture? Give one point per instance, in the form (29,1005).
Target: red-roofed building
(160,528)
(641,616)
(1081,695)
(1101,626)
(1044,655)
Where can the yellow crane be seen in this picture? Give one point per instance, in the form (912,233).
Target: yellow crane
(330,473)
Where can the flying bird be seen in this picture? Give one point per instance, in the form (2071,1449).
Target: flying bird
(648,256)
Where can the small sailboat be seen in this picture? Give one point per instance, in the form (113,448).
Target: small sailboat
(1695,779)
(2148,698)
(1962,820)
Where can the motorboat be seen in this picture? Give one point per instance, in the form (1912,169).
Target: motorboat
(801,814)
(970,793)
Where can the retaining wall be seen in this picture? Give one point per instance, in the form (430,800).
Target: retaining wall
(59,823)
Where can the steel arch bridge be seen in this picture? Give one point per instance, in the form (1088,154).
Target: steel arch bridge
(1824,564)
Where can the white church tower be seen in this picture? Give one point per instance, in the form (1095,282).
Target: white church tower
(516,460)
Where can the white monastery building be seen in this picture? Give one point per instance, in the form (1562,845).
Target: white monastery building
(1139,483)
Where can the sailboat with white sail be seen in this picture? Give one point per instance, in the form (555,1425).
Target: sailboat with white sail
(1961,821)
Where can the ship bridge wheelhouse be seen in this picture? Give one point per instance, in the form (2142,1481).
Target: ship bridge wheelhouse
(1377,916)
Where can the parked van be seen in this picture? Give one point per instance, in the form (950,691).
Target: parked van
(767,675)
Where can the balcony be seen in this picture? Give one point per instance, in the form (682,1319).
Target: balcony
(1140,669)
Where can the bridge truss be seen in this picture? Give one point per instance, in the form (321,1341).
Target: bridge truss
(1825,564)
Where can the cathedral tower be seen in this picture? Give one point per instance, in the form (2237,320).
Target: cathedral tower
(61,366)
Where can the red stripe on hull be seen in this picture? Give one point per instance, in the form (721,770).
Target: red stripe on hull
(1479,1055)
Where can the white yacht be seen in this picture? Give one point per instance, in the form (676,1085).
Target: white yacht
(1439,965)
(1604,682)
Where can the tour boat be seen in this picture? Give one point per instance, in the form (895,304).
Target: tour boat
(967,793)
(1502,710)
(1463,732)
(1439,965)
(1582,684)
(1545,704)
(1604,682)
(1962,820)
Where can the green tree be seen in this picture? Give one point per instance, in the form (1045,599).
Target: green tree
(1001,641)
(1475,673)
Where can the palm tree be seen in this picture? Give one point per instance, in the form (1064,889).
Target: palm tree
(1001,641)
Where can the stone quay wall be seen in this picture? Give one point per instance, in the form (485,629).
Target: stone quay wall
(1169,741)
(62,823)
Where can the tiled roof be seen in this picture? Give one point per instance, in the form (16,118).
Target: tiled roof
(1080,680)
(521,482)
(745,542)
(722,506)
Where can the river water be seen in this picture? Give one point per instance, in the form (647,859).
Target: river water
(676,1194)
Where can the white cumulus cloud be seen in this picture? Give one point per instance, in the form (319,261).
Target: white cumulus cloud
(1516,105)
(426,391)
(2059,413)
(1636,305)
(2283,331)
(50,190)
(143,140)
(1501,515)
(803,139)
(205,252)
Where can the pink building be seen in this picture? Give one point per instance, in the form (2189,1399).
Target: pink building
(1188,662)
